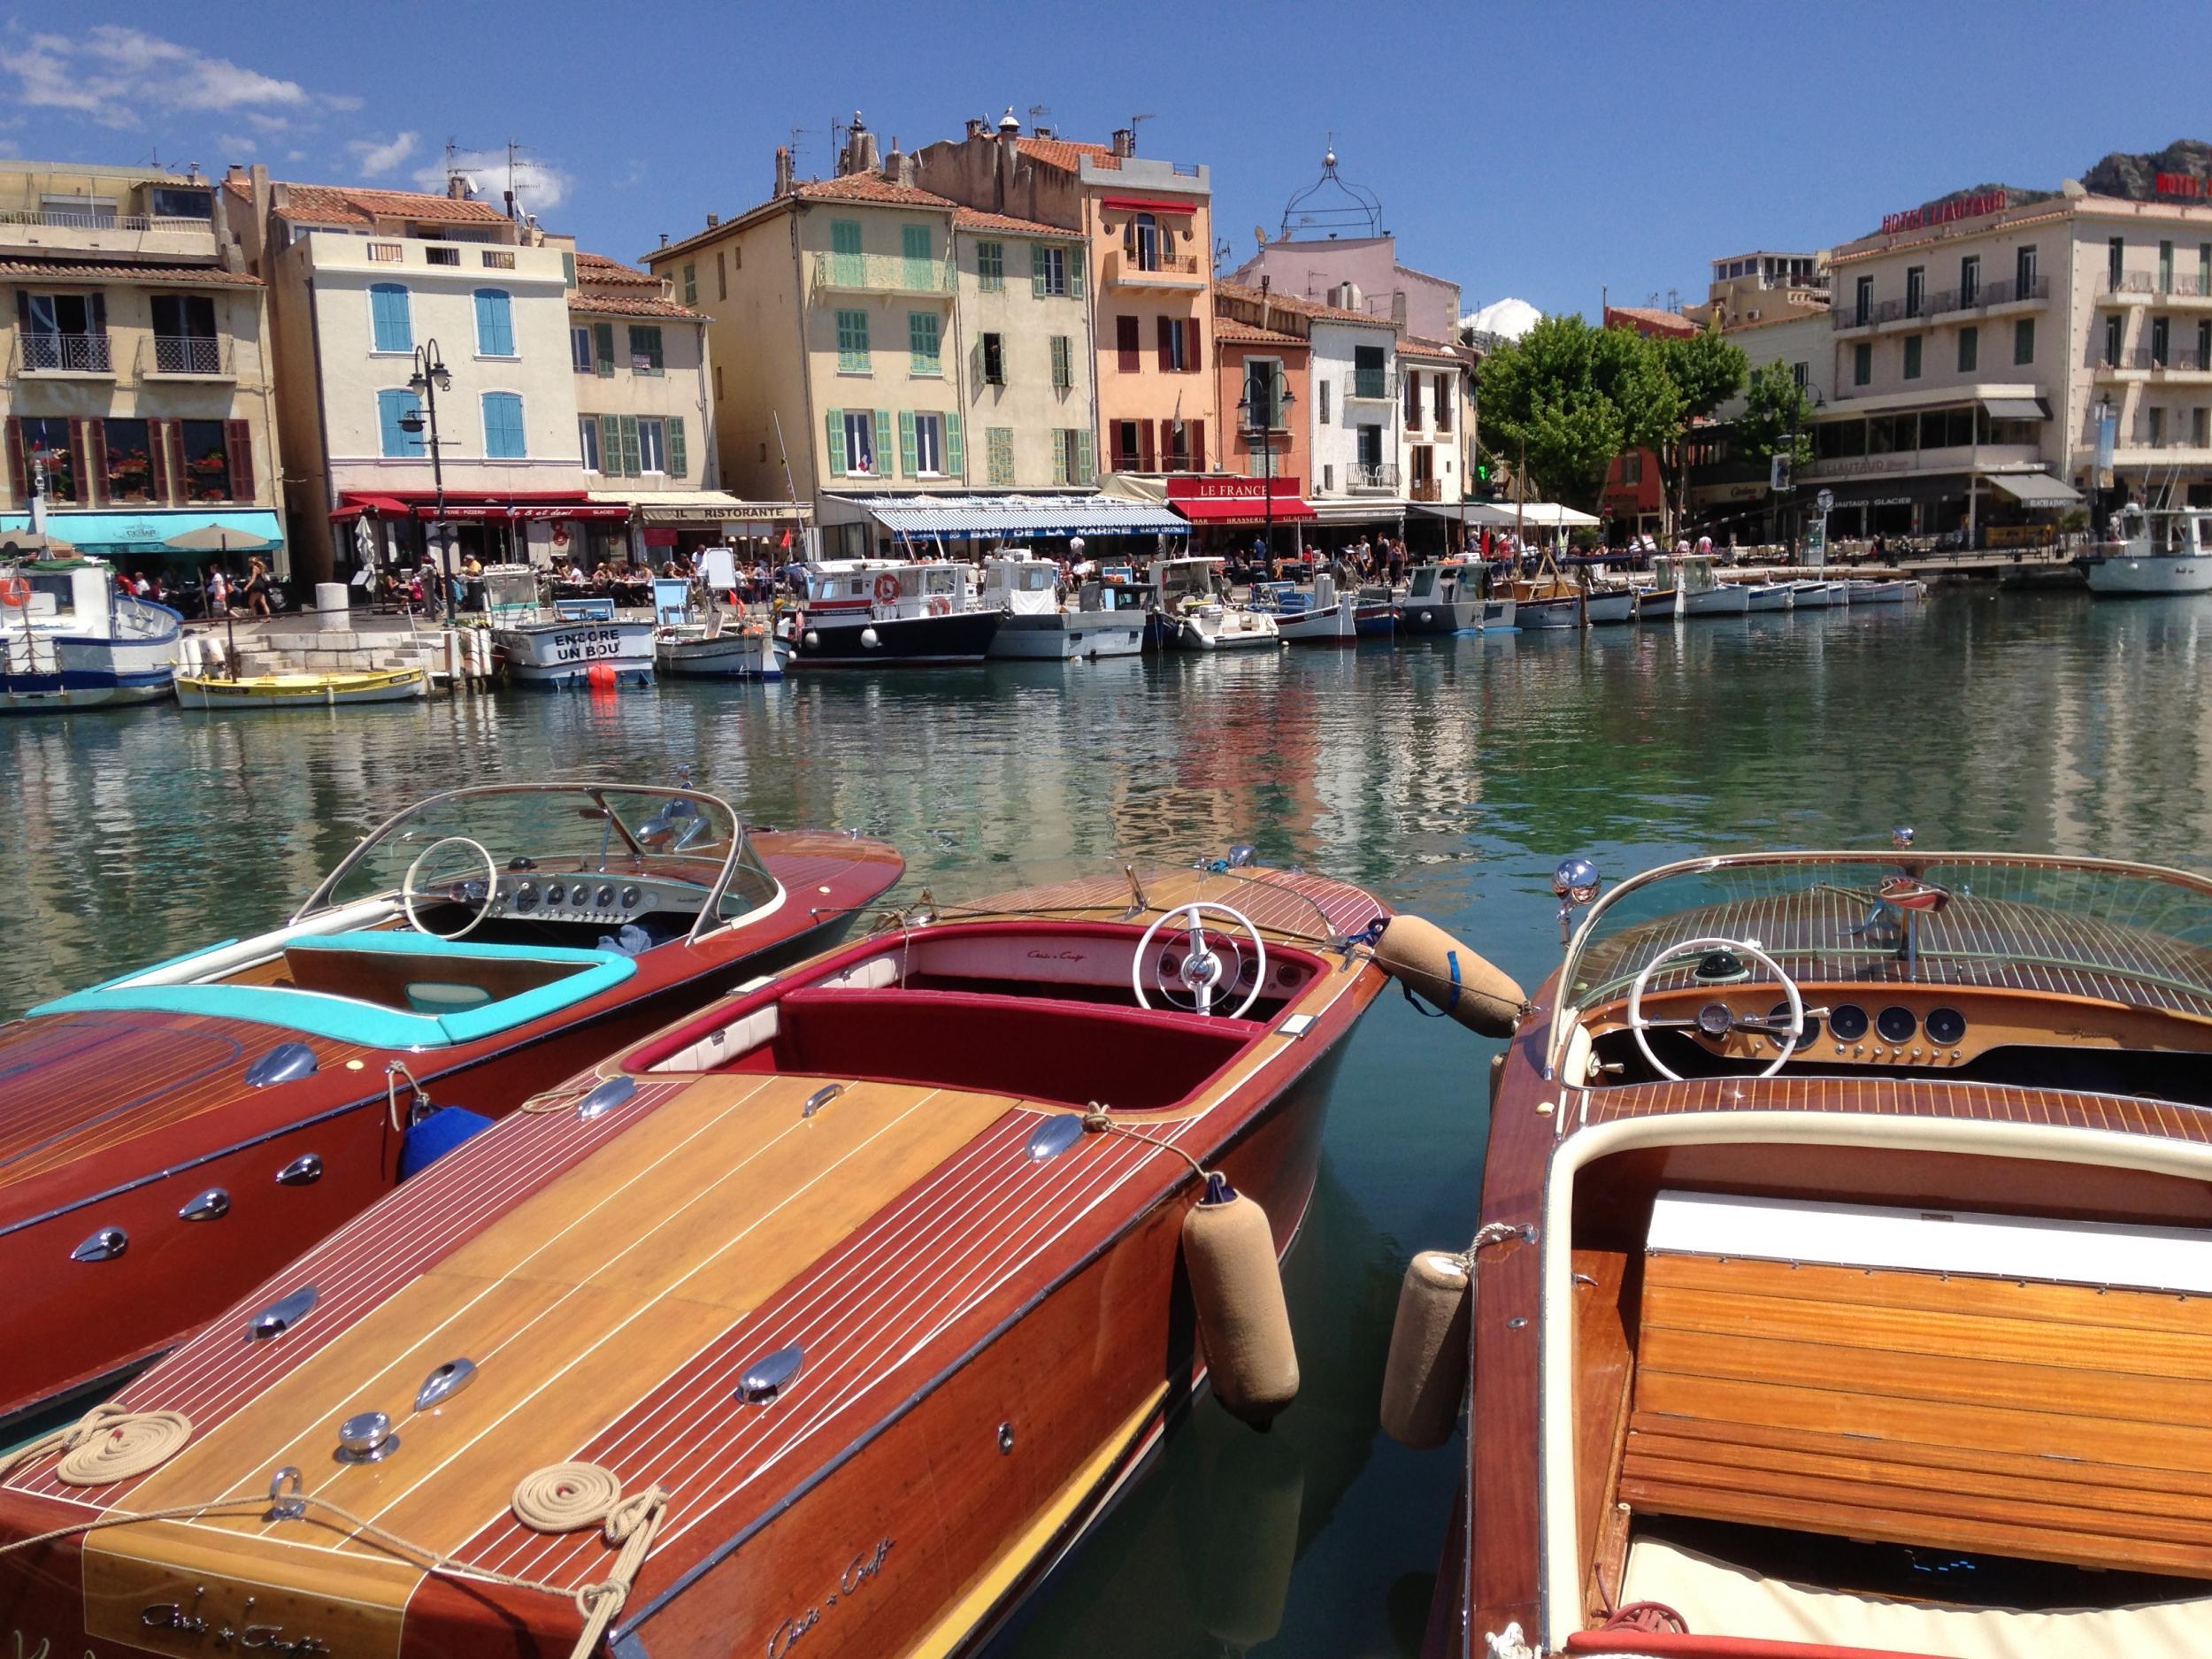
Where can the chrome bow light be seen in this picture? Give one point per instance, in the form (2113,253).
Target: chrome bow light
(366,1438)
(1902,837)
(1574,882)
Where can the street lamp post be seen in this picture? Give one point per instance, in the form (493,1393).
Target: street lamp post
(1258,424)
(428,379)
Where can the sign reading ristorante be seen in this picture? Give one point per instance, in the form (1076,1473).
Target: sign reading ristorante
(1971,206)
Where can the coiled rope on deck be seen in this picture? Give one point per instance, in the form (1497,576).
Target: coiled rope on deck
(107,1444)
(627,1523)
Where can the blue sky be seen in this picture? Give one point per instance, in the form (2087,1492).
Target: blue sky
(1539,151)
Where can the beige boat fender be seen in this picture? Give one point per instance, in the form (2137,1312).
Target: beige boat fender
(1237,1290)
(1426,1376)
(1429,963)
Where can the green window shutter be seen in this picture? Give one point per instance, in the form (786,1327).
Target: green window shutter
(852,342)
(914,240)
(1036,271)
(1075,273)
(568,269)
(845,235)
(956,462)
(906,444)
(883,443)
(1063,375)
(1086,469)
(632,467)
(603,350)
(836,420)
(610,445)
(921,340)
(676,457)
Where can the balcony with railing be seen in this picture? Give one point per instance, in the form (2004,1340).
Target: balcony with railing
(50,232)
(1426,489)
(2190,290)
(882,273)
(1371,386)
(1127,269)
(187,358)
(87,355)
(1983,296)
(2126,288)
(1380,477)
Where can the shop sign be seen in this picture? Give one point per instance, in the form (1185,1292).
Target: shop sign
(1972,206)
(2188,184)
(1252,490)
(1863,465)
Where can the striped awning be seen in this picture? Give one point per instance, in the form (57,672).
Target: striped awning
(1010,517)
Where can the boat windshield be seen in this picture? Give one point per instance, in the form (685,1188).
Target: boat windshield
(1277,901)
(685,834)
(1185,579)
(2133,935)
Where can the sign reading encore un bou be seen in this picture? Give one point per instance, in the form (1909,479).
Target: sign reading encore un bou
(1971,206)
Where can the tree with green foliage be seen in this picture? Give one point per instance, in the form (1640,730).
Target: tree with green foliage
(1775,417)
(1562,401)
(1706,370)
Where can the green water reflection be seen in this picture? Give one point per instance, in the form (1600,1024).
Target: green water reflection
(1448,776)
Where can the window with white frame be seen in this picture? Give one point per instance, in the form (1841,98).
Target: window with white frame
(860,440)
(588,441)
(929,445)
(652,444)
(580,352)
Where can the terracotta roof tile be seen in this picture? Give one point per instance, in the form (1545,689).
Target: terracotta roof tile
(68,271)
(1231,332)
(1433,349)
(629,305)
(975,219)
(596,269)
(1649,319)
(867,187)
(341,204)
(1300,307)
(1059,152)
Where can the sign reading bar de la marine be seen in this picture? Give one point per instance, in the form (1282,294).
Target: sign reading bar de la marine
(1972,206)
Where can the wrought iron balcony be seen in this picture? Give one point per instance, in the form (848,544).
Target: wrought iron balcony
(64,354)
(1124,269)
(1371,386)
(1383,475)
(191,356)
(1426,489)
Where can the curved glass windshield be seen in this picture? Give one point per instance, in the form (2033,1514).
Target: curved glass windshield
(2115,933)
(1285,903)
(675,834)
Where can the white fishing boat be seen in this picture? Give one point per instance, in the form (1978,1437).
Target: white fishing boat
(1447,597)
(68,640)
(1769,595)
(2153,554)
(1697,591)
(302,691)
(720,647)
(1197,614)
(885,613)
(571,643)
(1317,614)
(1812,595)
(1038,626)
(1655,603)
(1604,605)
(1884,592)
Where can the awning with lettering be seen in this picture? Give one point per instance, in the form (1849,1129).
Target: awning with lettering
(1015,517)
(702,507)
(1244,509)
(2034,489)
(2014,408)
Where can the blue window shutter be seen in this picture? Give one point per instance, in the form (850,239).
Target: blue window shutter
(836,420)
(906,443)
(503,427)
(388,314)
(883,443)
(395,439)
(676,457)
(494,324)
(954,459)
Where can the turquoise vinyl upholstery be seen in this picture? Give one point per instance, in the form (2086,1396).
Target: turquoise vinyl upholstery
(346,1019)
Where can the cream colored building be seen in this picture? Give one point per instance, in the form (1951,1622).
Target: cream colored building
(138,386)
(369,287)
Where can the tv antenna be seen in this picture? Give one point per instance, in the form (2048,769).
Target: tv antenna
(797,132)
(1037,112)
(1135,121)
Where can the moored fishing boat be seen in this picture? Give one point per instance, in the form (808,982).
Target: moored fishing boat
(687,1357)
(1695,588)
(2147,555)
(1866,591)
(170,1136)
(1315,614)
(1450,597)
(1769,595)
(1194,609)
(877,613)
(68,640)
(577,642)
(1038,627)
(302,690)
(1844,1260)
(1815,595)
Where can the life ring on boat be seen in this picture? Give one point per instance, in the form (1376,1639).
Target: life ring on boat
(15,593)
(887,588)
(940,606)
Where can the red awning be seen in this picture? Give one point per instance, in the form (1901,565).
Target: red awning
(473,506)
(1241,510)
(1145,204)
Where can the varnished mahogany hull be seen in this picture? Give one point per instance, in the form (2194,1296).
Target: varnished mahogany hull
(187,1123)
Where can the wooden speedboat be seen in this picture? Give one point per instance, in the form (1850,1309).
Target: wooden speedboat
(1844,1279)
(858,1294)
(301,691)
(169,1137)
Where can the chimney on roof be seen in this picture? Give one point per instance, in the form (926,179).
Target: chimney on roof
(511,204)
(898,166)
(976,123)
(860,150)
(456,186)
(783,170)
(1002,185)
(1124,141)
(664,239)
(713,220)
(1040,132)
(1008,127)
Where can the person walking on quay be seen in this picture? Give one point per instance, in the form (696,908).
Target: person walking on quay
(218,592)
(256,588)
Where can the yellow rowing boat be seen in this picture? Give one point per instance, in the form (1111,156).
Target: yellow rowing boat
(301,691)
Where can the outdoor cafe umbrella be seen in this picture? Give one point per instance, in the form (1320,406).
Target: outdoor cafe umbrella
(215,538)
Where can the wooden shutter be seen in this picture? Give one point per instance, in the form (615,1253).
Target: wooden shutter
(609,445)
(906,444)
(19,462)
(677,459)
(1125,344)
(883,443)
(1086,464)
(836,419)
(1075,273)
(956,451)
(1038,266)
(238,440)
(1197,445)
(92,446)
(603,350)
(158,436)
(1167,344)
(632,465)
(1144,447)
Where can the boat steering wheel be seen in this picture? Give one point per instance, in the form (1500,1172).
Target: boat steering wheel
(454,893)
(1201,973)
(1716,1020)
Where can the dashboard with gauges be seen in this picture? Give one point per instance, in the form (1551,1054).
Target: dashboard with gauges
(1883,1031)
(602,898)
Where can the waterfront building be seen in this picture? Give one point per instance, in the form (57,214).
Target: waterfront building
(365,286)
(138,384)
(878,340)
(1634,497)
(1752,289)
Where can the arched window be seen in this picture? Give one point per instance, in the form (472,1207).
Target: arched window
(1144,243)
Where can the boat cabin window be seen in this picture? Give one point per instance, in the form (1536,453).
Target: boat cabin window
(1423,583)
(52,594)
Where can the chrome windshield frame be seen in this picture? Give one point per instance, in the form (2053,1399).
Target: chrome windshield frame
(595,791)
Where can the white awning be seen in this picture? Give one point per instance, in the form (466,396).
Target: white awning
(1535,515)
(1012,517)
(2036,489)
(690,506)
(2014,408)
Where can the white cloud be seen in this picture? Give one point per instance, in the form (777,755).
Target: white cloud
(538,186)
(109,75)
(377,159)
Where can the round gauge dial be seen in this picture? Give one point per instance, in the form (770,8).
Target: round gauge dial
(629,898)
(526,896)
(1945,1026)
(1846,1021)
(606,897)
(1780,1014)
(581,897)
(1896,1025)
(555,893)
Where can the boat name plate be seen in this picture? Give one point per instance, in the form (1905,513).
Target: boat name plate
(857,1571)
(187,1619)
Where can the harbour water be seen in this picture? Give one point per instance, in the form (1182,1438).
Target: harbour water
(1448,776)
